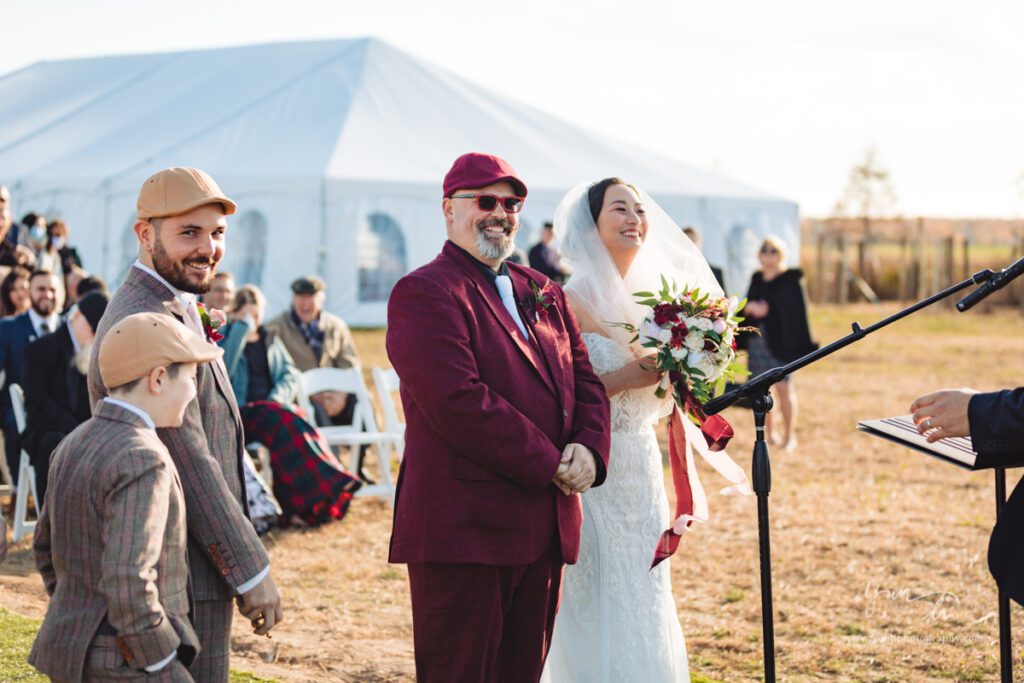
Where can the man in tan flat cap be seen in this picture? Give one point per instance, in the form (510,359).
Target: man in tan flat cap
(181,229)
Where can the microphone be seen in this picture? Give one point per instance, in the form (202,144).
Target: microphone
(994,283)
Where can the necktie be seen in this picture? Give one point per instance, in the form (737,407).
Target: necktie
(44,327)
(508,298)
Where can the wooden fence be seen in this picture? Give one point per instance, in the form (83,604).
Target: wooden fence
(904,261)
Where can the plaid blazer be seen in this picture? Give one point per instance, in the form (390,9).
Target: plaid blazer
(207,449)
(111,541)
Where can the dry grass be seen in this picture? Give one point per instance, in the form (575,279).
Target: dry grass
(879,553)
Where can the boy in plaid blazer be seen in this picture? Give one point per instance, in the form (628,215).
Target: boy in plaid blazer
(111,538)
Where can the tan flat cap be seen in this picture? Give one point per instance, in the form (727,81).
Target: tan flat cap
(178,190)
(143,341)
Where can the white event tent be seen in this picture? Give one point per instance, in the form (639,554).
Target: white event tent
(335,152)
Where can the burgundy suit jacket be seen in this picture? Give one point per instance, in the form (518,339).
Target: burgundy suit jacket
(488,415)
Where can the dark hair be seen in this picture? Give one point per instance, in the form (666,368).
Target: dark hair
(42,272)
(596,192)
(92,283)
(223,275)
(548,225)
(248,294)
(172,371)
(17,273)
(30,219)
(55,226)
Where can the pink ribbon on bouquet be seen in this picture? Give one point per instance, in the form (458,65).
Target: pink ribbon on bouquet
(709,440)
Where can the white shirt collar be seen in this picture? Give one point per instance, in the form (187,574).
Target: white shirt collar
(132,408)
(52,321)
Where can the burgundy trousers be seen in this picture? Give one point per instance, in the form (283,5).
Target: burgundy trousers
(478,623)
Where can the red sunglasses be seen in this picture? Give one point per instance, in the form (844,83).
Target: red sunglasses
(487,202)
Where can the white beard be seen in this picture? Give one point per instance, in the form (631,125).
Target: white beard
(489,249)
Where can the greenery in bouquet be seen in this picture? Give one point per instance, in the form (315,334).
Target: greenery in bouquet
(694,335)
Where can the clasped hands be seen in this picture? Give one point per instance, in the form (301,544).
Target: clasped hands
(576,470)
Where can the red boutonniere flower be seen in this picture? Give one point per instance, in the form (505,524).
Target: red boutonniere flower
(212,319)
(542,299)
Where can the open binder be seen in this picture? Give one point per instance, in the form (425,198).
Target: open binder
(956,450)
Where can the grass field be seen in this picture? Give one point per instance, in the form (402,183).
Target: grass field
(879,553)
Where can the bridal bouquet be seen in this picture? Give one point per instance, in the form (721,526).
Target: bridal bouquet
(694,335)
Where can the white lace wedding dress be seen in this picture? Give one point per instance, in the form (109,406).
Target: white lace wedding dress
(617,621)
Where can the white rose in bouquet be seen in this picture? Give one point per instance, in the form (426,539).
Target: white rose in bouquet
(705,362)
(694,341)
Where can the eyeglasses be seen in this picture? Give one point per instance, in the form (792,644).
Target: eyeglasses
(487,202)
(770,251)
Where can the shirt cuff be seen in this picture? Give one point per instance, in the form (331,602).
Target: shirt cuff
(253,582)
(153,668)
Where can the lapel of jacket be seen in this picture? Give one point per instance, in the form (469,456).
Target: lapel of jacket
(545,334)
(29,330)
(490,296)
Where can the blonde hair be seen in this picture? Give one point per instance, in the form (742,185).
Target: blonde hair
(776,242)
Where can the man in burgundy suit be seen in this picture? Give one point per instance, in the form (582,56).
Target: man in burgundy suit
(506,425)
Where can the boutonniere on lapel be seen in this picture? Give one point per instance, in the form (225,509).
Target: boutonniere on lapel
(542,299)
(212,319)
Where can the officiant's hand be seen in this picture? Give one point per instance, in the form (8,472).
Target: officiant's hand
(943,413)
(582,469)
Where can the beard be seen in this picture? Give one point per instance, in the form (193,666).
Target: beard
(82,358)
(44,307)
(179,273)
(490,248)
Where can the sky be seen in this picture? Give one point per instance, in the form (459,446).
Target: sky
(784,95)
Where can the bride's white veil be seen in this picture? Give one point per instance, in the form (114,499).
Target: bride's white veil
(595,280)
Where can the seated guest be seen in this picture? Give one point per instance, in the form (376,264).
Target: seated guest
(222,292)
(111,541)
(316,339)
(56,386)
(309,482)
(71,279)
(14,299)
(56,255)
(46,294)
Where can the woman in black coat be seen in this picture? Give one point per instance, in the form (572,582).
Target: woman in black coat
(777,304)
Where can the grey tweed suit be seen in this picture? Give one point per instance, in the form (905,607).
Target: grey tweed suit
(224,550)
(110,544)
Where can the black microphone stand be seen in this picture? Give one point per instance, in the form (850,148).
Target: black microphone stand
(756,390)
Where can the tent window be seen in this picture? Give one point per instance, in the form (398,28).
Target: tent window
(251,243)
(380,257)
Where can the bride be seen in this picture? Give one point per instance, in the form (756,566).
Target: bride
(618,620)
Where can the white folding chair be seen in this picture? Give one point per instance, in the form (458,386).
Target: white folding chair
(363,430)
(6,483)
(386,383)
(26,474)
